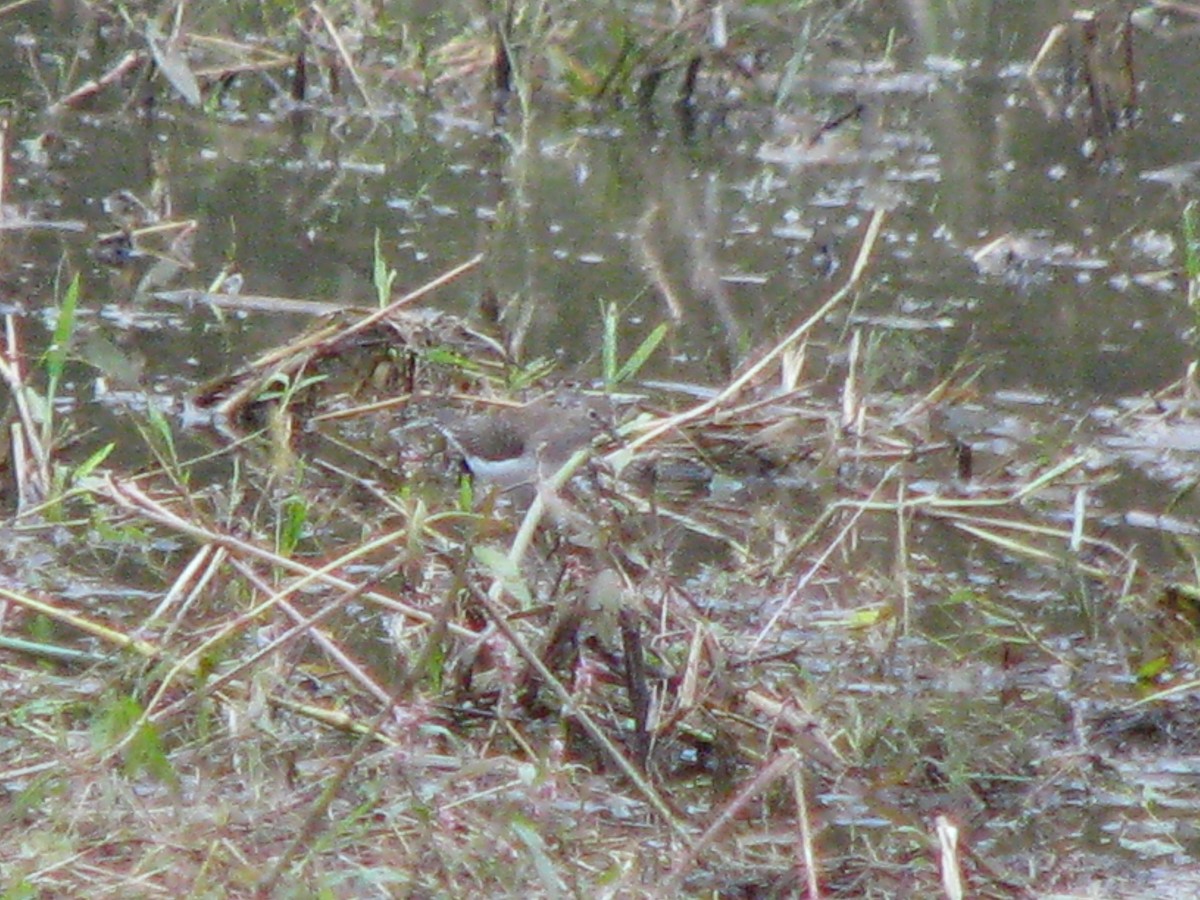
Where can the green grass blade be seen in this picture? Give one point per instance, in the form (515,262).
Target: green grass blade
(634,364)
(381,276)
(608,349)
(64,328)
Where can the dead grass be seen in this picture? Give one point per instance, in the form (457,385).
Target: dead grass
(346,677)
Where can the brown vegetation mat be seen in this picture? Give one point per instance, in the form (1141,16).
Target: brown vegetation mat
(317,662)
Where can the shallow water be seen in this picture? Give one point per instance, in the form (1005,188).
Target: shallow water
(574,215)
(1015,236)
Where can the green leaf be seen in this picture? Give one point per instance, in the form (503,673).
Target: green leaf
(64,327)
(22,890)
(89,465)
(506,571)
(1191,248)
(443,356)
(608,348)
(634,364)
(143,753)
(295,515)
(382,277)
(161,426)
(612,374)
(1150,670)
(40,628)
(114,721)
(466,493)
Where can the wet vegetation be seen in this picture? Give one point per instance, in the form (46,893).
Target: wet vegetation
(870,572)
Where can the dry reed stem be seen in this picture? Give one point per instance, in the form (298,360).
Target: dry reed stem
(778,768)
(948,859)
(33,481)
(128,496)
(3,159)
(819,562)
(752,372)
(200,570)
(85,624)
(250,302)
(347,59)
(291,358)
(14,6)
(902,569)
(130,62)
(323,640)
(808,853)
(805,728)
